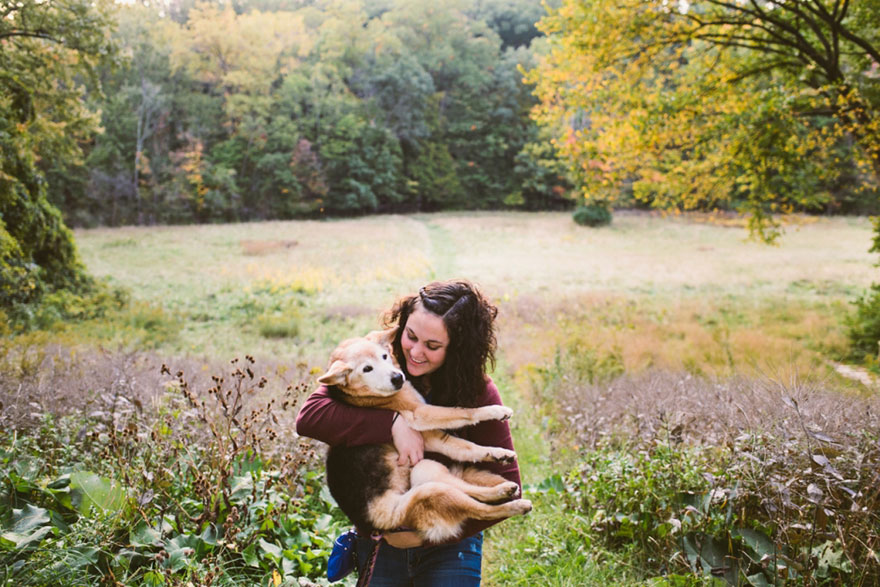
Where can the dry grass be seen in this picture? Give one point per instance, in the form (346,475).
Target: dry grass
(40,379)
(263,247)
(705,335)
(521,254)
(715,412)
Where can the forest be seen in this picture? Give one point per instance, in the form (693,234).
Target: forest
(254,110)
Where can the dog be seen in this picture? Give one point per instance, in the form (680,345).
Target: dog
(377,493)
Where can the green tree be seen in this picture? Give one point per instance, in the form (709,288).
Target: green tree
(128,157)
(256,109)
(513,20)
(479,121)
(48,53)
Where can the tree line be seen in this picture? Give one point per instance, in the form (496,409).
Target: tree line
(255,109)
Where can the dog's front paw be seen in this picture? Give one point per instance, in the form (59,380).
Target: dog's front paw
(501,455)
(495,413)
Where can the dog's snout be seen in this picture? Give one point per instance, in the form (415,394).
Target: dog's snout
(397,380)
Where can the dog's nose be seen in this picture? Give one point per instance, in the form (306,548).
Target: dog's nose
(397,380)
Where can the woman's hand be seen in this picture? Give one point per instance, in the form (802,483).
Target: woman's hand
(409,443)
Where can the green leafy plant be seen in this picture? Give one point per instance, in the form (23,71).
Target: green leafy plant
(863,327)
(201,490)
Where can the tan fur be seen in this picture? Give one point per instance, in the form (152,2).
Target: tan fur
(429,498)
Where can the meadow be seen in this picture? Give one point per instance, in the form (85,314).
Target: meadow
(680,413)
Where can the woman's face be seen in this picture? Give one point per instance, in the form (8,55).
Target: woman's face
(424,342)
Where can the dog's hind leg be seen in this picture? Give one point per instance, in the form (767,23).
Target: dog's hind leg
(487,487)
(477,476)
(437,510)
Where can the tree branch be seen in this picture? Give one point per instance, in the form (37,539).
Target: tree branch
(743,42)
(31,34)
(778,28)
(830,46)
(782,63)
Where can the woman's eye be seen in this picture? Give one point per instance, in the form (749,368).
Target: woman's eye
(367,369)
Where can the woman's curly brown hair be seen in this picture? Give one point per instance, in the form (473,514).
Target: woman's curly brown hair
(469,319)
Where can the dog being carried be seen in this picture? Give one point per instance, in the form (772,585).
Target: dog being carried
(433,500)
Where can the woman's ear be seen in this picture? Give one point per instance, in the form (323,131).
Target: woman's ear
(383,337)
(337,374)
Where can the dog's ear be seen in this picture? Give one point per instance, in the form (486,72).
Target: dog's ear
(337,374)
(383,337)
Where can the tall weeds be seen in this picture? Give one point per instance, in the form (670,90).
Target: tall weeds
(752,481)
(133,475)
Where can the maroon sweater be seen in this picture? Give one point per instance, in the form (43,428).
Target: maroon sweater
(336,423)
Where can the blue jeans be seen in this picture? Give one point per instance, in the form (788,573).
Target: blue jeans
(448,565)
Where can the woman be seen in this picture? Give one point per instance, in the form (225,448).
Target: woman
(445,338)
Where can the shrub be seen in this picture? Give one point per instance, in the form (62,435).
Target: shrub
(592,215)
(864,327)
(283,324)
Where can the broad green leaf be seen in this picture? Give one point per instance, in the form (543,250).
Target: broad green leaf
(153,579)
(180,551)
(96,491)
(241,488)
(30,526)
(25,520)
(288,567)
(323,522)
(758,542)
(144,535)
(272,550)
(758,580)
(552,484)
(831,556)
(209,535)
(250,557)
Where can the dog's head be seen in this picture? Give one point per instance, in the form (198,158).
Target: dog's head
(365,366)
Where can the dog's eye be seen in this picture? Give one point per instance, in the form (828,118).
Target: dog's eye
(367,369)
(384,357)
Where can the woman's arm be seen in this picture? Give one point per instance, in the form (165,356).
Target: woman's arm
(336,423)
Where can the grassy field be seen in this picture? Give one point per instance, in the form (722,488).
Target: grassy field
(338,277)
(610,339)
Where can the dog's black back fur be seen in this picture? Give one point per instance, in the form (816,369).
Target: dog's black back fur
(356,475)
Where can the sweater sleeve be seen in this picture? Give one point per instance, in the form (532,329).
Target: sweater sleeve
(491,433)
(335,423)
